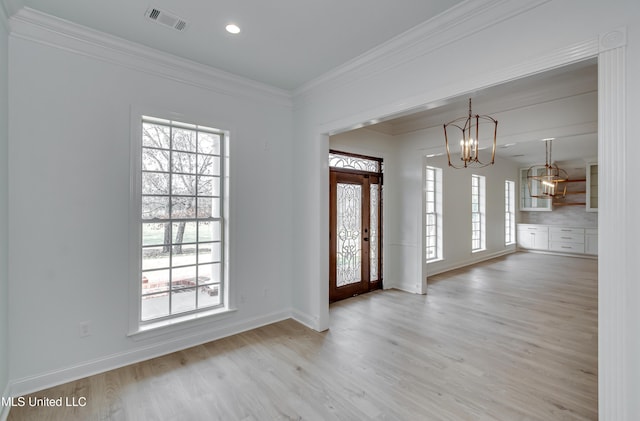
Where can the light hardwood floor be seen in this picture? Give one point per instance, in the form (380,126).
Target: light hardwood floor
(514,338)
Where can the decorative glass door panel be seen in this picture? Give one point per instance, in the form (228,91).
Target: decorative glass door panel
(374,246)
(355,255)
(349,234)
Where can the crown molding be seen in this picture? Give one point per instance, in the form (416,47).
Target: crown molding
(32,25)
(435,33)
(494,106)
(422,101)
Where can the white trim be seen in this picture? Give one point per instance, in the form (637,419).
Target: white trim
(559,57)
(39,27)
(510,212)
(171,326)
(482,211)
(613,218)
(307,320)
(613,222)
(558,253)
(135,230)
(32,384)
(472,261)
(428,36)
(177,323)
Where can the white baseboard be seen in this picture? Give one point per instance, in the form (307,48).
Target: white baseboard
(412,289)
(42,381)
(557,253)
(461,264)
(305,319)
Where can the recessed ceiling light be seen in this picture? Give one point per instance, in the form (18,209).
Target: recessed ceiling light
(232,28)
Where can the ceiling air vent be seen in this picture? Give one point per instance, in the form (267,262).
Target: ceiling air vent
(166,19)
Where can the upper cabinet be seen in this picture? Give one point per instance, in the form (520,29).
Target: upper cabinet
(592,187)
(528,203)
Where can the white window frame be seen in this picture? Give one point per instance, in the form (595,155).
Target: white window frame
(509,212)
(478,215)
(433,201)
(139,329)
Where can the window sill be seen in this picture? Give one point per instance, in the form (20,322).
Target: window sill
(479,250)
(179,323)
(435,260)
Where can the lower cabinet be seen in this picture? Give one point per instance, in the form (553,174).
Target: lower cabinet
(566,240)
(591,241)
(534,237)
(558,239)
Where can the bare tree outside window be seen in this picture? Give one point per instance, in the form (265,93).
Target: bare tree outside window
(181,217)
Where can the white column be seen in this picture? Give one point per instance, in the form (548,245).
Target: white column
(612,225)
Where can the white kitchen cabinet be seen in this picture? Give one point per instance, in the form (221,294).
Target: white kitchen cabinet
(591,241)
(532,236)
(558,239)
(566,240)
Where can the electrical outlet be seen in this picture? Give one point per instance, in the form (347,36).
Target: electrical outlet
(84,329)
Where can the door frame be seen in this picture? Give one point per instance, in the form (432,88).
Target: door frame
(355,175)
(615,239)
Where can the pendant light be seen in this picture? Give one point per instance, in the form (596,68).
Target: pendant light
(469,129)
(543,180)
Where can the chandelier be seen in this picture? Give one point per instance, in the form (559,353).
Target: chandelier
(543,180)
(468,130)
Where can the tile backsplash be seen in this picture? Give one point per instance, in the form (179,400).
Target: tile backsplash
(570,216)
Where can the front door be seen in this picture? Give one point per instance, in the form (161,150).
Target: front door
(355,234)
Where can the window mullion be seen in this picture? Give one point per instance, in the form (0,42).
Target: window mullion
(187,249)
(170,247)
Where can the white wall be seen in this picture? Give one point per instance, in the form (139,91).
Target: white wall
(374,143)
(518,125)
(406,151)
(456,206)
(96,96)
(506,45)
(4,174)
(69,169)
(456,210)
(403,205)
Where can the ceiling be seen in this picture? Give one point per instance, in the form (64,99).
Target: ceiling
(283,43)
(288,43)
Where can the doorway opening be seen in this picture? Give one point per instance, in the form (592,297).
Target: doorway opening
(355,218)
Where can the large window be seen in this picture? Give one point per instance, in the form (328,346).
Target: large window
(509,212)
(433,213)
(181,189)
(477,213)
